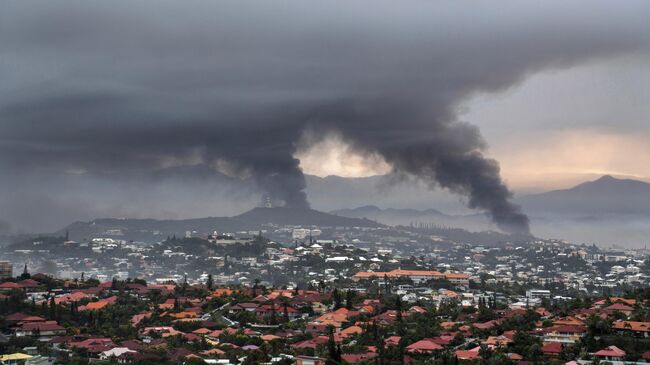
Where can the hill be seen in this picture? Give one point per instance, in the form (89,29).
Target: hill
(255,219)
(302,217)
(395,217)
(392,216)
(604,196)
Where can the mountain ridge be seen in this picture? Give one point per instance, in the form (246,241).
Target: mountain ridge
(606,194)
(253,219)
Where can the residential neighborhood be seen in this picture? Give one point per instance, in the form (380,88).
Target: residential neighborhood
(550,302)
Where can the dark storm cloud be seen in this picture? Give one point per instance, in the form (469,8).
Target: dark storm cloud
(130,88)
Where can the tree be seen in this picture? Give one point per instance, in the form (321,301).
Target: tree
(484,352)
(387,285)
(349,299)
(274,318)
(286,311)
(334,352)
(336,296)
(25,275)
(52,309)
(398,307)
(210,283)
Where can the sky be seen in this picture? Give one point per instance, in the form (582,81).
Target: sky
(553,130)
(145,108)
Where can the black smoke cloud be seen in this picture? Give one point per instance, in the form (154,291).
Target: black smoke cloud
(127,90)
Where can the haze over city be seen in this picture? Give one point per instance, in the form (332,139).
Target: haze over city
(205,109)
(335,182)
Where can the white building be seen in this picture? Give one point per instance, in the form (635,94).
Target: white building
(538,293)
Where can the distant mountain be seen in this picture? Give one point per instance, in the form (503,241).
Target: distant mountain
(605,196)
(394,217)
(605,211)
(254,219)
(336,192)
(370,210)
(303,217)
(389,215)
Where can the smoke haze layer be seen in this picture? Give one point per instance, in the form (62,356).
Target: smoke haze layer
(125,90)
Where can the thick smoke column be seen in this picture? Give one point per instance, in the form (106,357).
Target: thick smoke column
(429,145)
(124,91)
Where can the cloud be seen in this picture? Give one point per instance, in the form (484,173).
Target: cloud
(126,89)
(585,154)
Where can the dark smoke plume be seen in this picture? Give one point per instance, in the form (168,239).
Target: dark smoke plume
(424,143)
(127,91)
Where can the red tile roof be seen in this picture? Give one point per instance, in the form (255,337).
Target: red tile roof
(611,351)
(357,358)
(426,345)
(552,348)
(632,326)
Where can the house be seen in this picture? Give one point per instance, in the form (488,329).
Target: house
(71,297)
(134,345)
(552,349)
(471,354)
(392,341)
(638,329)
(29,284)
(22,318)
(457,279)
(137,318)
(358,358)
(14,359)
(311,343)
(618,307)
(425,346)
(177,354)
(568,321)
(100,304)
(564,333)
(181,315)
(610,353)
(543,312)
(94,345)
(44,330)
(213,353)
(485,325)
(602,302)
(417,276)
(115,352)
(350,331)
(268,311)
(497,341)
(9,286)
(243,307)
(309,360)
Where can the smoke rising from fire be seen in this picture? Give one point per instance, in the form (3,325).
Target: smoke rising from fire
(120,89)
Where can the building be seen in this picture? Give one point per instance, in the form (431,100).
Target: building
(538,293)
(300,233)
(564,334)
(417,276)
(14,359)
(309,360)
(43,330)
(6,270)
(611,353)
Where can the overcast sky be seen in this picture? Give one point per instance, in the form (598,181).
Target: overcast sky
(124,91)
(553,130)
